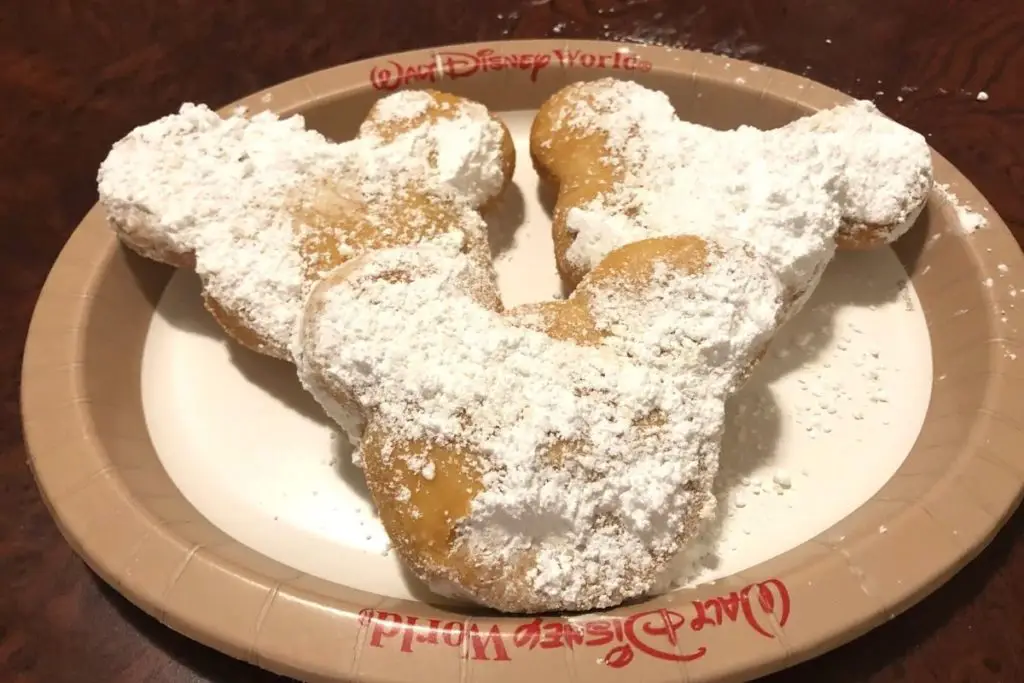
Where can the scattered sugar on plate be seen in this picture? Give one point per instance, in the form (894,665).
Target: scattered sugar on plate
(968,219)
(845,388)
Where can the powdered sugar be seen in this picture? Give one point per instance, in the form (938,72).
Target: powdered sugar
(600,520)
(223,190)
(829,409)
(787,192)
(887,170)
(823,399)
(669,324)
(194,183)
(463,141)
(968,219)
(403,106)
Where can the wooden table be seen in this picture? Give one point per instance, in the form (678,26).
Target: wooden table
(75,76)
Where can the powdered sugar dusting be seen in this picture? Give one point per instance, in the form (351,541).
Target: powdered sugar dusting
(220,189)
(787,192)
(967,219)
(823,398)
(804,430)
(887,172)
(194,183)
(463,141)
(637,441)
(670,325)
(402,106)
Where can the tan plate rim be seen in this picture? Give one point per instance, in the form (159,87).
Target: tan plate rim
(927,524)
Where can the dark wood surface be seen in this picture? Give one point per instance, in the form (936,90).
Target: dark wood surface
(75,76)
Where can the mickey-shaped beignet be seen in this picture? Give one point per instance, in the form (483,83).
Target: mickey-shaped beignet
(552,457)
(233,197)
(628,168)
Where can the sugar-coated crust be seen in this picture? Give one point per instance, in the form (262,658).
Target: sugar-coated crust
(608,408)
(231,197)
(627,167)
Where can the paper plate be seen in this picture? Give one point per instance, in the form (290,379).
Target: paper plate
(872,455)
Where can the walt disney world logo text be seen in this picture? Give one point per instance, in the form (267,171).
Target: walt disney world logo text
(663,633)
(452,65)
